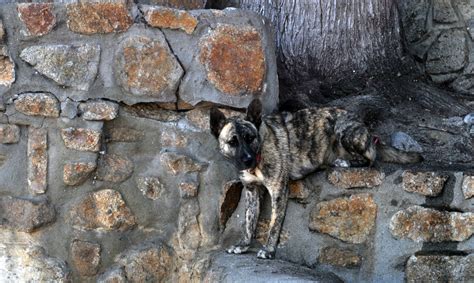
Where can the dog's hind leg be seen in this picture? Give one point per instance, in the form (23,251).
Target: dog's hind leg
(279,200)
(252,211)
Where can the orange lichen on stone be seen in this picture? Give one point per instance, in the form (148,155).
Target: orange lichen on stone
(161,17)
(234,59)
(39,18)
(92,18)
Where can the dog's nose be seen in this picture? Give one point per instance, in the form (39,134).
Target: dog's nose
(247,159)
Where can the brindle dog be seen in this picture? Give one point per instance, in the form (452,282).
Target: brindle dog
(288,146)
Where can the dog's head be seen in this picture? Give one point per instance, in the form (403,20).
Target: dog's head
(238,138)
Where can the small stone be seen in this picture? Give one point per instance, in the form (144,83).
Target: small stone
(114,168)
(339,257)
(122,134)
(298,190)
(75,174)
(234,59)
(37,104)
(173,139)
(468,186)
(151,187)
(68,65)
(69,108)
(7,68)
(188,189)
(151,262)
(97,17)
(178,163)
(81,139)
(102,210)
(348,219)
(439,268)
(85,257)
(37,160)
(349,178)
(38,18)
(161,17)
(448,53)
(9,133)
(229,201)
(429,225)
(182,4)
(424,183)
(147,67)
(404,142)
(25,215)
(99,110)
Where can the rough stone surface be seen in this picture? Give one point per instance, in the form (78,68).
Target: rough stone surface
(38,18)
(234,59)
(161,17)
(92,18)
(298,190)
(151,187)
(229,201)
(189,231)
(85,257)
(349,178)
(424,183)
(102,210)
(122,134)
(173,139)
(339,257)
(440,268)
(146,66)
(178,163)
(405,142)
(7,68)
(180,4)
(9,133)
(348,219)
(151,262)
(25,215)
(37,160)
(429,225)
(443,12)
(76,173)
(188,189)
(37,104)
(69,108)
(468,186)
(99,110)
(81,139)
(114,168)
(448,53)
(68,65)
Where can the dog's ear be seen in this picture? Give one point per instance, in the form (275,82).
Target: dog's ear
(217,121)
(254,112)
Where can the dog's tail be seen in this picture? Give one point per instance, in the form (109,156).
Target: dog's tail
(390,154)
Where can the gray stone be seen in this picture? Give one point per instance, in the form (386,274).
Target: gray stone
(429,225)
(69,108)
(146,67)
(448,53)
(68,65)
(440,268)
(99,110)
(464,84)
(25,215)
(443,12)
(414,14)
(405,142)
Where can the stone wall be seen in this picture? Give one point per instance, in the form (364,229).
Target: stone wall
(108,171)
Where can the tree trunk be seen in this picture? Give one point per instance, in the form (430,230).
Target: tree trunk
(331,40)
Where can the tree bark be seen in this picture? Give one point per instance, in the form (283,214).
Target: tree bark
(331,40)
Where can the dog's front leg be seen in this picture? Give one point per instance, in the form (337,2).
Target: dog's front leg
(252,210)
(279,200)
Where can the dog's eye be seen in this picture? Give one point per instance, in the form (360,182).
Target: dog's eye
(233,141)
(249,138)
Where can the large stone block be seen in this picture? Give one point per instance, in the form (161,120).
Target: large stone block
(68,65)
(146,69)
(37,104)
(25,215)
(429,225)
(96,17)
(38,18)
(348,219)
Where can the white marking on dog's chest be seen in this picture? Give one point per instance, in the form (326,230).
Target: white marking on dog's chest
(255,177)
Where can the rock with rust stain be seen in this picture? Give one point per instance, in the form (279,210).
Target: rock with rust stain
(424,183)
(25,215)
(7,68)
(38,104)
(38,18)
(114,168)
(76,173)
(336,256)
(350,178)
(85,257)
(81,139)
(162,17)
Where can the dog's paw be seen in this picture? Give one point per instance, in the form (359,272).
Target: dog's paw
(238,249)
(265,254)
